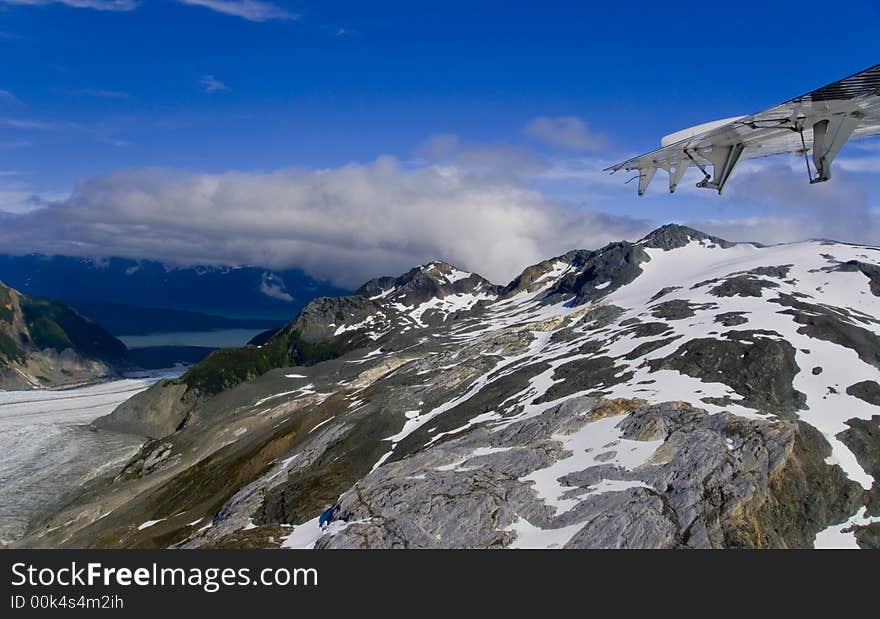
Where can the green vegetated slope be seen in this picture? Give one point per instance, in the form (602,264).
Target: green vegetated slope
(33,329)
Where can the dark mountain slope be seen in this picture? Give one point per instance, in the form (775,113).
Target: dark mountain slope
(45,343)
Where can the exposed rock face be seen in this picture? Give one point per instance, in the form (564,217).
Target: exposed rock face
(676,392)
(731,319)
(754,365)
(677,309)
(714,481)
(44,343)
(835,325)
(871,271)
(597,273)
(863,438)
(155,414)
(743,286)
(535,277)
(867,390)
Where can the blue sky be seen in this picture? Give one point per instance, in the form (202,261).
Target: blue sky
(523,100)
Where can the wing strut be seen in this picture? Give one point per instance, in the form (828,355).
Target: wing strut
(724,160)
(829,136)
(645,177)
(676,171)
(799,128)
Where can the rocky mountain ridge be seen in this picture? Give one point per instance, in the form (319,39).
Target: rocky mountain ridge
(679,391)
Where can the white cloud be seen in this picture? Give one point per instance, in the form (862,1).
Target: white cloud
(27,124)
(98,5)
(272,286)
(15,144)
(113,141)
(252,10)
(7,98)
(439,146)
(859,164)
(16,201)
(17,197)
(347,224)
(486,208)
(90,92)
(569,132)
(211,84)
(865,144)
(19,123)
(782,206)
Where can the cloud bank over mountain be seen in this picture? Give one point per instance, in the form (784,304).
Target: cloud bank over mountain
(345,224)
(490,208)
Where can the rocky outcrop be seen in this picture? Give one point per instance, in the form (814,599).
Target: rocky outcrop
(866,390)
(714,481)
(834,325)
(600,272)
(534,277)
(154,413)
(871,271)
(757,367)
(863,438)
(742,286)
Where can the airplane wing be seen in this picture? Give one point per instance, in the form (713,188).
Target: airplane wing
(818,123)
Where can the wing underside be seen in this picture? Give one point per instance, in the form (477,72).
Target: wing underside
(818,123)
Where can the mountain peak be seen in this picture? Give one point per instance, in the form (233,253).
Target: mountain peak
(673,236)
(445,272)
(430,280)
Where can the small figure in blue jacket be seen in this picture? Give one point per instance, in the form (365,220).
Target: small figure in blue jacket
(327,517)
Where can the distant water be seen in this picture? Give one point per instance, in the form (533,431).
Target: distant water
(47,451)
(223,338)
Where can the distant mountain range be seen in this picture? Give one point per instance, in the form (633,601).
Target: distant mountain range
(106,289)
(120,319)
(142,297)
(676,392)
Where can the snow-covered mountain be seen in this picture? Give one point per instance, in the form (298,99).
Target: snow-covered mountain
(680,391)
